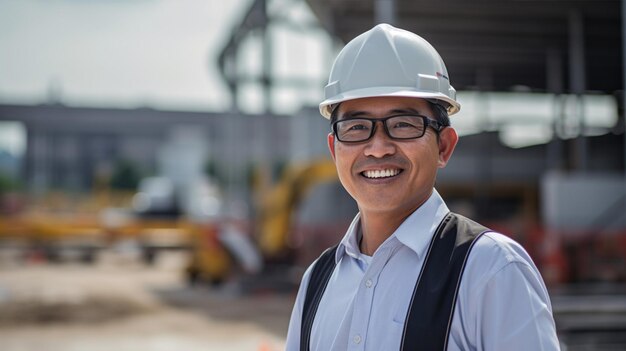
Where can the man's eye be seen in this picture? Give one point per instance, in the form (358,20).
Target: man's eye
(354,126)
(404,125)
(358,127)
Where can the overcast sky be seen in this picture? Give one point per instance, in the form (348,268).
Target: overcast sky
(159,53)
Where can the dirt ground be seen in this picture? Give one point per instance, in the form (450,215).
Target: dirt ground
(121,304)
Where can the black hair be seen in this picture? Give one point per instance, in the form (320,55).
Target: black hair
(440,113)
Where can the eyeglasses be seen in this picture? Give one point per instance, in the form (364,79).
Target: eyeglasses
(354,130)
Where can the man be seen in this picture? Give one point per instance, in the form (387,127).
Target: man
(409,274)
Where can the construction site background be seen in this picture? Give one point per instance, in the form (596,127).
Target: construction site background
(158,228)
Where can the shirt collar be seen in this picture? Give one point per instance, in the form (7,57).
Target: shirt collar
(350,243)
(415,232)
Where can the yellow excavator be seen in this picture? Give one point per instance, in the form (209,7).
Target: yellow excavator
(276,210)
(272,225)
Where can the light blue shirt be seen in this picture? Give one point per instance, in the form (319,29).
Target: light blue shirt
(502,304)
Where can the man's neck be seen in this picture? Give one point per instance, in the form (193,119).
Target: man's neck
(376,228)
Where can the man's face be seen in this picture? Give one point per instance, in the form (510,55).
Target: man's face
(387,175)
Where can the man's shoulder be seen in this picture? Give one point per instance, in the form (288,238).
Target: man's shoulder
(501,247)
(492,253)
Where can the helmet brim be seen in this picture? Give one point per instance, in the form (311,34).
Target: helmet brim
(326,107)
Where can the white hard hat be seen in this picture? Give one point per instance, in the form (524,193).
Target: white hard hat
(387,61)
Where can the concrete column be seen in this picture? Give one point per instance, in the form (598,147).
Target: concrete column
(267,43)
(554,82)
(233,142)
(385,11)
(484,170)
(29,162)
(624,89)
(624,75)
(577,82)
(38,146)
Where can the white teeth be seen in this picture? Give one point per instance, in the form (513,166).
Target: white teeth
(381,173)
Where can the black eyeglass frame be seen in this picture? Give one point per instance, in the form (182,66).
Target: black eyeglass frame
(428,122)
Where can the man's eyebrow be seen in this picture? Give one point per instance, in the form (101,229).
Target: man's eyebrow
(354,114)
(396,111)
(404,110)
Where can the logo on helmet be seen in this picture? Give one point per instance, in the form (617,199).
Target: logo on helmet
(439,74)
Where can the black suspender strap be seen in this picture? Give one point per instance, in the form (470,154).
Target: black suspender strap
(320,274)
(430,312)
(432,306)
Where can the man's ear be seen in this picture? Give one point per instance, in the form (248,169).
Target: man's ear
(448,139)
(331,145)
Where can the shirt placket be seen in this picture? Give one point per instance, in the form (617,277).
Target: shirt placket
(364,298)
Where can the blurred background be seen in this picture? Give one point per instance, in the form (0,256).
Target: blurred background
(164,177)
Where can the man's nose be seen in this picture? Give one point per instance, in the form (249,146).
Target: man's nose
(380,144)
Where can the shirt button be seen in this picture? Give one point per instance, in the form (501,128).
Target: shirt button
(357,339)
(369,283)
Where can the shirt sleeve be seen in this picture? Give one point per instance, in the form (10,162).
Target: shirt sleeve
(293,333)
(514,312)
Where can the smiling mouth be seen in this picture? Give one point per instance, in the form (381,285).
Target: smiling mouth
(381,173)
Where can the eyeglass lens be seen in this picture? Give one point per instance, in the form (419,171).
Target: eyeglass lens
(397,127)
